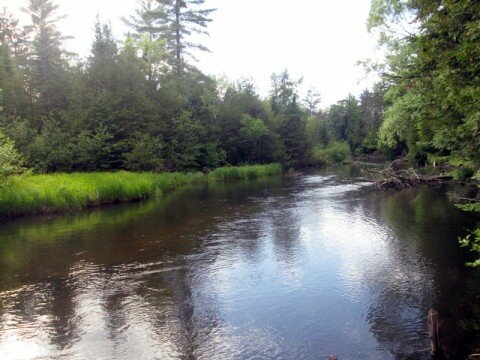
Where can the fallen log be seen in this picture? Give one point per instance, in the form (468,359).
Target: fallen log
(401,179)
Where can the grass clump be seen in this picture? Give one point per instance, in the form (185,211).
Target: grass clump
(248,172)
(40,194)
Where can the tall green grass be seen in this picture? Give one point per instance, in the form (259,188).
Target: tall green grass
(249,172)
(41,194)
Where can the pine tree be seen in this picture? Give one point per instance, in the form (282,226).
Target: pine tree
(147,29)
(13,57)
(146,20)
(180,19)
(312,100)
(284,91)
(102,62)
(48,58)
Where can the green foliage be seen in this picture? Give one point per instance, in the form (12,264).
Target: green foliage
(371,118)
(146,154)
(398,121)
(335,152)
(463,173)
(234,173)
(472,241)
(174,21)
(183,146)
(432,70)
(13,58)
(51,150)
(238,136)
(140,106)
(91,150)
(284,91)
(34,194)
(477,176)
(345,121)
(212,156)
(253,132)
(11,162)
(312,100)
(252,129)
(48,66)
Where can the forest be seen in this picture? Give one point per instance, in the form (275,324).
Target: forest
(352,269)
(139,103)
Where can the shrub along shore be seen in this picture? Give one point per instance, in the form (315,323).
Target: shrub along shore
(50,193)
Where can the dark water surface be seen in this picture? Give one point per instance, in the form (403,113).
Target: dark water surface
(291,268)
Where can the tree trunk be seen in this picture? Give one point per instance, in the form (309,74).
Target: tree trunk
(178,40)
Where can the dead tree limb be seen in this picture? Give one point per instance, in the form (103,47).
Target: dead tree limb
(401,179)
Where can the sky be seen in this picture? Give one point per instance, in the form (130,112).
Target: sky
(319,40)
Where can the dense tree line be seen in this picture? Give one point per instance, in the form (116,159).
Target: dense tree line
(141,104)
(432,72)
(432,75)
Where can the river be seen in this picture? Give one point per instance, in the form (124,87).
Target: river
(288,267)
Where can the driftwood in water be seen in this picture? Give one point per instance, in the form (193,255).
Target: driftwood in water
(401,179)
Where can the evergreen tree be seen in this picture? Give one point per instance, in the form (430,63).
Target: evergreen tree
(238,101)
(146,20)
(291,117)
(371,112)
(284,91)
(292,133)
(48,59)
(13,61)
(180,19)
(312,100)
(147,29)
(11,161)
(102,63)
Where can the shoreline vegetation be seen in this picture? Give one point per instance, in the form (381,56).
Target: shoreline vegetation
(61,192)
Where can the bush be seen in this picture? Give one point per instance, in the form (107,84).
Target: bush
(477,175)
(335,152)
(463,173)
(11,162)
(145,154)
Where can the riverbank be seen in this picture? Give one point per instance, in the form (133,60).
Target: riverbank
(51,193)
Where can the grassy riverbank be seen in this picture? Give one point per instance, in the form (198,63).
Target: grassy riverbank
(42,194)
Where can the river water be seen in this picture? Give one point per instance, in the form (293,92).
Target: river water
(281,268)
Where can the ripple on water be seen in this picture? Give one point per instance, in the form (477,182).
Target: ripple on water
(302,268)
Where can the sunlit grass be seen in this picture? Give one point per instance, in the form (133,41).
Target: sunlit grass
(37,194)
(249,172)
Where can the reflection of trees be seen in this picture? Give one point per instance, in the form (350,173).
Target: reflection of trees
(129,264)
(49,305)
(284,224)
(63,331)
(285,227)
(183,301)
(426,268)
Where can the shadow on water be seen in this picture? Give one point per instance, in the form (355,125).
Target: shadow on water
(295,267)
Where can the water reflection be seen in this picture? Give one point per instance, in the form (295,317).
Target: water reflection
(281,268)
